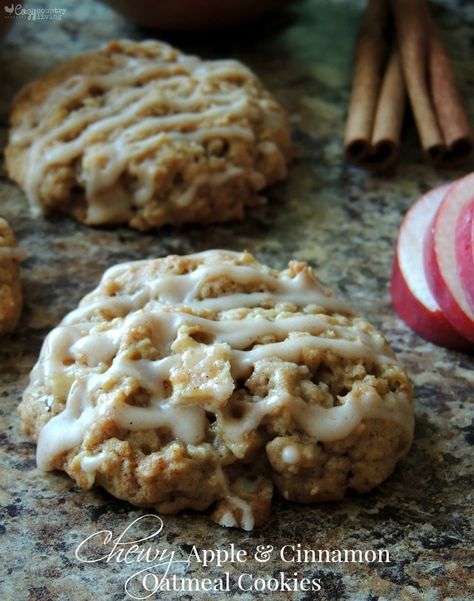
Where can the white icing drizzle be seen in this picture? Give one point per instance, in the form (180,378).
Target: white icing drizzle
(91,463)
(228,520)
(80,359)
(187,423)
(67,429)
(290,455)
(247,520)
(147,102)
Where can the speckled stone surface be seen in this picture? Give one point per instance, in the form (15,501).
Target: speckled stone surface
(344,222)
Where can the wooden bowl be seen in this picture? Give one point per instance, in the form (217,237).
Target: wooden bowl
(193,15)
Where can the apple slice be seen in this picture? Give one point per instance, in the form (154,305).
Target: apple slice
(465,251)
(440,258)
(411,295)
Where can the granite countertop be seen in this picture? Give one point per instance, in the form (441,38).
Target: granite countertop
(344,222)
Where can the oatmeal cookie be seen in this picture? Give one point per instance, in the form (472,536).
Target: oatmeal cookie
(140,133)
(211,381)
(10,287)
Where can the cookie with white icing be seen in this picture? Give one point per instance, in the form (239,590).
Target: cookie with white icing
(140,133)
(10,286)
(211,381)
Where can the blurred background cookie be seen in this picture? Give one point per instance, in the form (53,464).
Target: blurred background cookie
(10,287)
(140,133)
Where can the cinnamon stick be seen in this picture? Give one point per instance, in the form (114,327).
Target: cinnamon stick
(390,112)
(448,104)
(372,137)
(437,107)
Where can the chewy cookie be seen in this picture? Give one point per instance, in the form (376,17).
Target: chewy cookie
(10,287)
(143,134)
(211,380)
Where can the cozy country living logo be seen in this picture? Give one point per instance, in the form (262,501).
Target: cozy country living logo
(17,11)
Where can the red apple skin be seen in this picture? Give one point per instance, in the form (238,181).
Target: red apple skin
(430,325)
(440,258)
(465,251)
(411,296)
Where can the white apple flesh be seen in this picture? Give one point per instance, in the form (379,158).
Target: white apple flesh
(465,251)
(440,258)
(411,294)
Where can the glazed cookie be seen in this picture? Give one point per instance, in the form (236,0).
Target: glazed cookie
(211,380)
(10,287)
(140,133)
